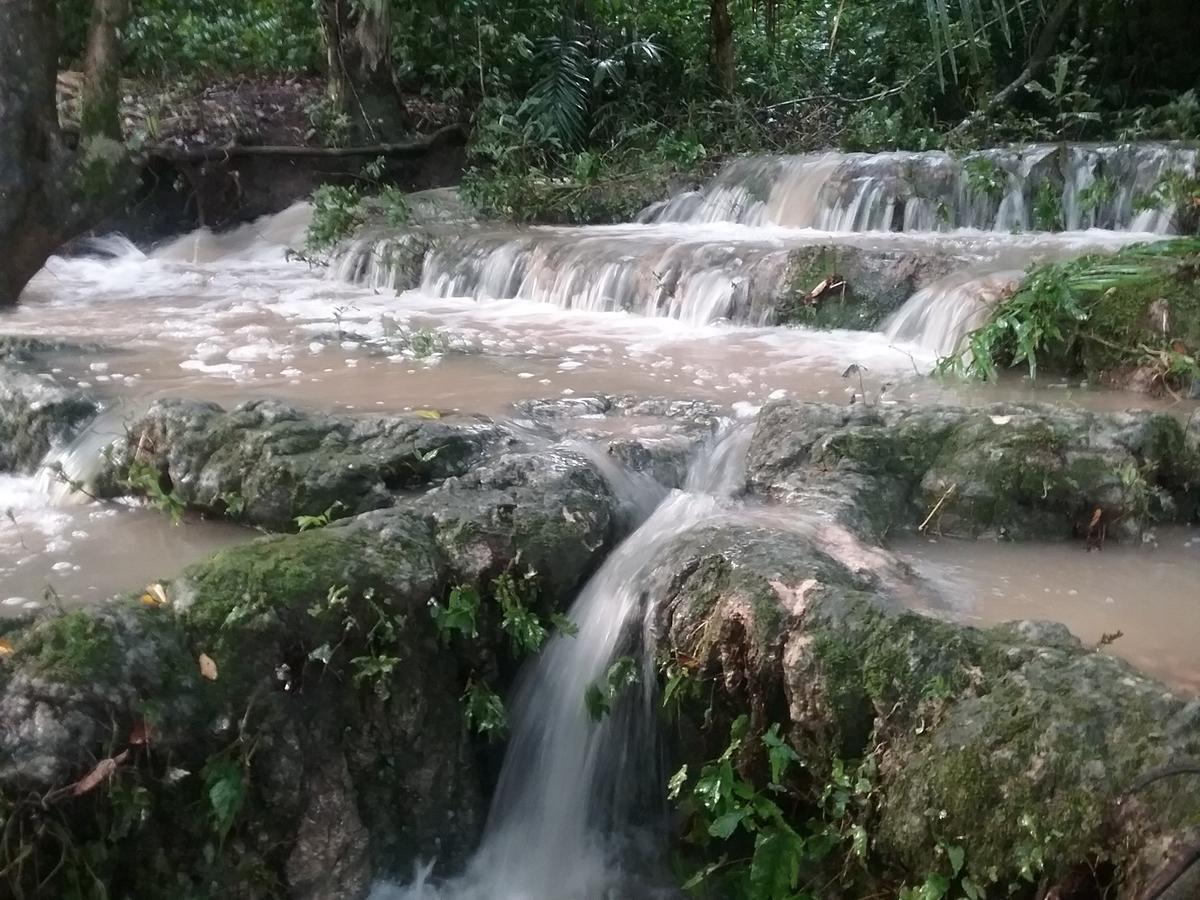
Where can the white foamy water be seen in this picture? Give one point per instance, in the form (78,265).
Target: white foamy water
(1024,188)
(577,797)
(55,548)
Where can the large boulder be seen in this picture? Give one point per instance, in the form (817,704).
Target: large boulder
(267,463)
(1008,470)
(1016,745)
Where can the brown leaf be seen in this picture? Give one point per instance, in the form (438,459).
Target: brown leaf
(1096,516)
(6,647)
(101,773)
(208,668)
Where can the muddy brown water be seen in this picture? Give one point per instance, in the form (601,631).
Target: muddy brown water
(1150,594)
(228,318)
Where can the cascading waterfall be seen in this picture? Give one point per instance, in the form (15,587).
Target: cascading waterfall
(939,317)
(1031,188)
(726,252)
(564,820)
(696,279)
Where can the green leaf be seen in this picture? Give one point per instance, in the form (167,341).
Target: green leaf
(484,709)
(775,867)
(971,889)
(723,826)
(935,888)
(226,789)
(779,753)
(956,855)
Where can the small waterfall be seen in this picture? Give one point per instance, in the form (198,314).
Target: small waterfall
(66,474)
(1032,188)
(576,797)
(695,279)
(939,317)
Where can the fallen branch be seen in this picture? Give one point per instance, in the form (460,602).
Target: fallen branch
(937,506)
(447,135)
(1037,59)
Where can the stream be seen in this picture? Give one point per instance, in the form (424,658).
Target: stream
(668,306)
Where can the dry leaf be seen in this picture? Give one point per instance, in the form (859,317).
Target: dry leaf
(208,668)
(103,771)
(1096,518)
(6,647)
(155,595)
(427,413)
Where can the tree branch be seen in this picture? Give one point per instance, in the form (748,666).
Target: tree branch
(450,134)
(1041,53)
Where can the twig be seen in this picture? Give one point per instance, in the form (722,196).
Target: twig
(937,506)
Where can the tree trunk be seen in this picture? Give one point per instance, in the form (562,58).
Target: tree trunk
(48,194)
(1037,59)
(362,79)
(722,42)
(100,107)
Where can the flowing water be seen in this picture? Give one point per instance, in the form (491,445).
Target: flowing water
(573,794)
(675,305)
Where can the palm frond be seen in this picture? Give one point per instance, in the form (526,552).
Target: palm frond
(559,102)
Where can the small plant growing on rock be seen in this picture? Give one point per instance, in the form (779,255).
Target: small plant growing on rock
(484,709)
(144,479)
(602,695)
(304,523)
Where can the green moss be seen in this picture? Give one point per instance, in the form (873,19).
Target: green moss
(808,268)
(75,647)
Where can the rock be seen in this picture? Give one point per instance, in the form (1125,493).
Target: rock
(1014,471)
(550,510)
(274,462)
(844,286)
(306,675)
(328,707)
(1014,737)
(35,413)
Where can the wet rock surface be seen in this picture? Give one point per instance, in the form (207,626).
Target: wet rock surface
(36,413)
(276,463)
(1006,470)
(288,715)
(1001,739)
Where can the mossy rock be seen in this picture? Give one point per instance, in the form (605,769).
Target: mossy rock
(1014,744)
(851,287)
(273,463)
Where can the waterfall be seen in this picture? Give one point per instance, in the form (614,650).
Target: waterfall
(67,471)
(571,807)
(1031,188)
(939,317)
(696,278)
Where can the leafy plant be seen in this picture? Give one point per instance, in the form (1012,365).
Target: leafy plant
(225,787)
(460,614)
(986,178)
(1048,208)
(1055,301)
(144,479)
(525,630)
(304,523)
(484,709)
(1101,192)
(601,695)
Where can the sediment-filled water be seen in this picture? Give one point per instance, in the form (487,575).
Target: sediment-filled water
(679,305)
